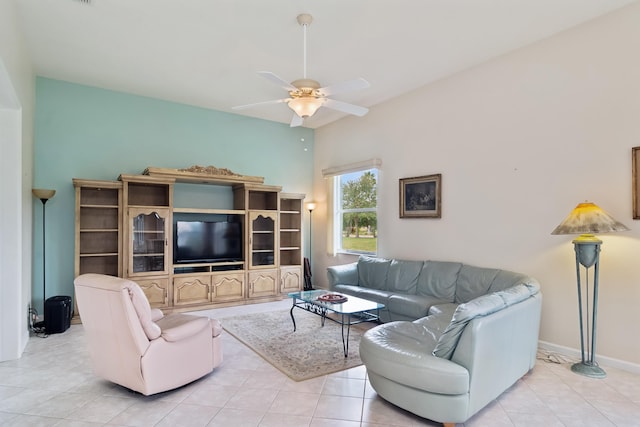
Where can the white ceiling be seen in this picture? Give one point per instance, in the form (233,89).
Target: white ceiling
(207,52)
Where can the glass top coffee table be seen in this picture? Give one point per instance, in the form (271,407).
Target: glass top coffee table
(348,312)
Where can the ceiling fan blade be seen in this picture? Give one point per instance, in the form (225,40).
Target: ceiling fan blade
(277,80)
(260,104)
(346,86)
(296,121)
(345,108)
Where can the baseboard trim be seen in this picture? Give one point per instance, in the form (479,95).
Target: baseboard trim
(602,360)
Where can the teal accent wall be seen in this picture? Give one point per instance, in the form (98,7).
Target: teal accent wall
(91,133)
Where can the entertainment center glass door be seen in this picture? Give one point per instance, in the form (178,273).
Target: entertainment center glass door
(149,245)
(262,241)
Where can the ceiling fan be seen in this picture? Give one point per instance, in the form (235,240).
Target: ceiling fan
(306,95)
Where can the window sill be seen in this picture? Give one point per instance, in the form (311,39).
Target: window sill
(355,253)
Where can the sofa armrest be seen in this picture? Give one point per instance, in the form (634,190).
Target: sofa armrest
(346,274)
(499,349)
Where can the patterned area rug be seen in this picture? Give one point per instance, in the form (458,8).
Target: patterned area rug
(309,352)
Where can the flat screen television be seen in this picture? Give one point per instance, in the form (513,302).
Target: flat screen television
(207,241)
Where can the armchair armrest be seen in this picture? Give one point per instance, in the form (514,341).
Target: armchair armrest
(156,314)
(180,326)
(346,274)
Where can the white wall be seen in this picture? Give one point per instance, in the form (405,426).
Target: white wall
(520,141)
(17,91)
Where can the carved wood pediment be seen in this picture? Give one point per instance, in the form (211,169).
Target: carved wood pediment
(203,175)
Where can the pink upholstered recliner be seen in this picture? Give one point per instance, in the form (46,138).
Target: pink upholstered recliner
(138,347)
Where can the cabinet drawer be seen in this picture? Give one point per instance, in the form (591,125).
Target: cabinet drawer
(227,286)
(290,279)
(263,283)
(156,291)
(191,289)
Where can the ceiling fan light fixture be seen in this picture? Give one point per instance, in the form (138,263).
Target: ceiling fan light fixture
(305,107)
(306,85)
(306,95)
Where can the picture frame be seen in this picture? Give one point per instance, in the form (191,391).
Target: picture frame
(421,196)
(635,184)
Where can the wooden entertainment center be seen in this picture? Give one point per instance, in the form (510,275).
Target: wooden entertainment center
(125,228)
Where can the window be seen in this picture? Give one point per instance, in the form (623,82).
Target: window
(355,212)
(352,196)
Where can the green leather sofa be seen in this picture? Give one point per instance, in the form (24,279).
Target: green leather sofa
(456,336)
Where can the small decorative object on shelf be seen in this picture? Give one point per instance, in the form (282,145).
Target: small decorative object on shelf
(332,298)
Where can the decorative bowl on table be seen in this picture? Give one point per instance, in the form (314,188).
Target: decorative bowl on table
(332,298)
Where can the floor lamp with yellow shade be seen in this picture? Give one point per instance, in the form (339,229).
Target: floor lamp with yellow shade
(586,220)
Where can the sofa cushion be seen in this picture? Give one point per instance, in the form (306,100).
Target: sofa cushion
(438,279)
(506,279)
(346,289)
(375,295)
(436,323)
(473,282)
(401,351)
(372,272)
(518,293)
(445,309)
(480,306)
(403,276)
(412,306)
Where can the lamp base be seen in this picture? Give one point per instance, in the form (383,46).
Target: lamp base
(588,370)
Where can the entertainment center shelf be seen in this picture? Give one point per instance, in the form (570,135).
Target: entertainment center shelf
(209,211)
(251,250)
(207,267)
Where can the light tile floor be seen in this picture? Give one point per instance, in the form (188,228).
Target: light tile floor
(53,385)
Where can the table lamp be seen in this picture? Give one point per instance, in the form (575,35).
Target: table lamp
(587,219)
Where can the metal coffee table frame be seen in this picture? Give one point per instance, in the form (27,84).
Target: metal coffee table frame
(351,312)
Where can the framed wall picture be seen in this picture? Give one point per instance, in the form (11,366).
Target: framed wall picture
(421,197)
(635,184)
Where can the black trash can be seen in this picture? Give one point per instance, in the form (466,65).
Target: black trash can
(57,314)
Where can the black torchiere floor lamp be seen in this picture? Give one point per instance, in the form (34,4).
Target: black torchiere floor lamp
(44,195)
(307,274)
(586,220)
